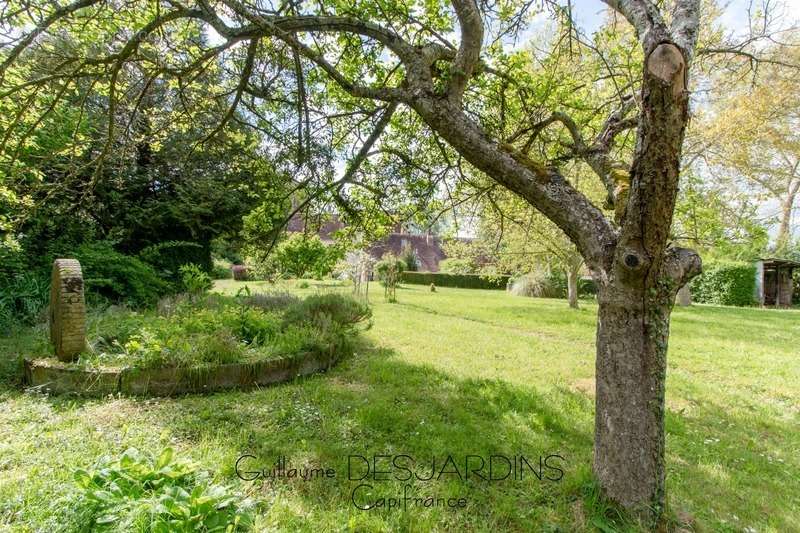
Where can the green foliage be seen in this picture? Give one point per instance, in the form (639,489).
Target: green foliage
(194,280)
(720,223)
(300,255)
(168,257)
(389,270)
(725,284)
(23,298)
(796,291)
(221,269)
(321,308)
(548,284)
(139,492)
(408,257)
(538,284)
(198,332)
(457,266)
(464,281)
(120,277)
(269,301)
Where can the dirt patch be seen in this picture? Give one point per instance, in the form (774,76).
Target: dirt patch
(584,386)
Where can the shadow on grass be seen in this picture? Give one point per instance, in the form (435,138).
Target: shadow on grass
(376,404)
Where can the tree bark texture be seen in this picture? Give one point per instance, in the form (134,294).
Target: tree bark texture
(572,287)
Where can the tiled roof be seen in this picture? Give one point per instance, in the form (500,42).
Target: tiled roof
(427,248)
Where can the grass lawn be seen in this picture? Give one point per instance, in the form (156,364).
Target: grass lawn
(455,372)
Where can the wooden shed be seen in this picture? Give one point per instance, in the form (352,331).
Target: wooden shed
(774,283)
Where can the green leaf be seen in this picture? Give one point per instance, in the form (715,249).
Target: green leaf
(165,458)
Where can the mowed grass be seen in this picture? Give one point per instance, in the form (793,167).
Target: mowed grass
(455,372)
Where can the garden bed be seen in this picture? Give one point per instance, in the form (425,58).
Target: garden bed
(204,345)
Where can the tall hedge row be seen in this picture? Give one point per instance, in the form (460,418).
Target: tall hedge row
(463,281)
(725,284)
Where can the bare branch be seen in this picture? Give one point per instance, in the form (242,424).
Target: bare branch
(468,55)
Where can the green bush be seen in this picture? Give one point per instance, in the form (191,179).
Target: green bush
(318,308)
(221,269)
(587,287)
(167,258)
(796,293)
(23,298)
(138,492)
(194,280)
(119,277)
(539,284)
(269,301)
(463,281)
(409,257)
(725,284)
(389,270)
(200,332)
(552,284)
(301,255)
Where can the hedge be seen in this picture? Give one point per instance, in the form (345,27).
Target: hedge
(463,281)
(119,277)
(725,284)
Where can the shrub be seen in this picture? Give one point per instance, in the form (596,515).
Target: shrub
(167,258)
(409,257)
(587,287)
(463,281)
(456,266)
(221,269)
(194,280)
(317,308)
(544,284)
(119,277)
(270,301)
(322,324)
(137,492)
(239,272)
(214,330)
(796,293)
(253,326)
(537,284)
(23,298)
(300,255)
(725,284)
(389,269)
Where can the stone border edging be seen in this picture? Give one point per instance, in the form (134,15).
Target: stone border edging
(58,378)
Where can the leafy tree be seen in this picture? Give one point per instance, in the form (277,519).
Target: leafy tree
(322,81)
(389,269)
(754,140)
(457,266)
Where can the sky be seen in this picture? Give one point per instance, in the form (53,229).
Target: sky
(589,14)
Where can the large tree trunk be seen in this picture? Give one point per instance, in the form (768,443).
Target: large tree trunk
(629,421)
(787,206)
(572,286)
